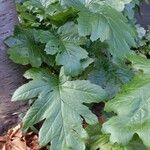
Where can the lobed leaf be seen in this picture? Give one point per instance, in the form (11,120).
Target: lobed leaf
(23,49)
(65,44)
(110,76)
(131,107)
(103,22)
(98,140)
(59,103)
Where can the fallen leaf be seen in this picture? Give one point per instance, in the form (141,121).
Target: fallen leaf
(16,140)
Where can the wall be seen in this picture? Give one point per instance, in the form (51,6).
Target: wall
(10,74)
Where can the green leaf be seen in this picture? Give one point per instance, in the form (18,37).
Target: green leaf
(110,76)
(118,4)
(63,16)
(65,44)
(46,13)
(26,17)
(103,22)
(25,50)
(140,63)
(42,3)
(135,144)
(98,140)
(103,144)
(132,107)
(59,103)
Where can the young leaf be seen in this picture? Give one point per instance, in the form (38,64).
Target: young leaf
(63,16)
(60,104)
(132,107)
(66,45)
(25,50)
(103,22)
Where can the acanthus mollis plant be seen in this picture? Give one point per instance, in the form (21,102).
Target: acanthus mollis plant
(79,53)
